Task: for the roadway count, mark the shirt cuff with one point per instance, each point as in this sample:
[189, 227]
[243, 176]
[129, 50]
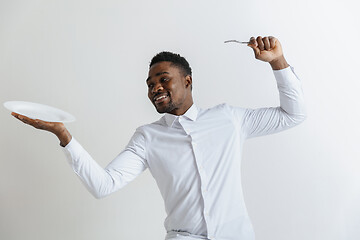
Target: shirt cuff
[286, 75]
[73, 151]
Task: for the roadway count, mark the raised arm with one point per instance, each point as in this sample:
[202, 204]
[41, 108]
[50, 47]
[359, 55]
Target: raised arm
[263, 121]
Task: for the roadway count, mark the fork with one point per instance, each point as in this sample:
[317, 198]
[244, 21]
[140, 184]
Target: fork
[236, 41]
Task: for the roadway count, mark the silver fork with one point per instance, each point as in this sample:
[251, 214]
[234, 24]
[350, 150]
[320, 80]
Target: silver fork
[236, 41]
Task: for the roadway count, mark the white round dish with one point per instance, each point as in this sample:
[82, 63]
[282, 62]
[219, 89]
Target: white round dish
[39, 111]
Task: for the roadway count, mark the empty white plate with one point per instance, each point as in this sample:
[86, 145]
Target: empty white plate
[39, 111]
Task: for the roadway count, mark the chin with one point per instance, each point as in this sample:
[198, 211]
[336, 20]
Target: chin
[165, 109]
[160, 110]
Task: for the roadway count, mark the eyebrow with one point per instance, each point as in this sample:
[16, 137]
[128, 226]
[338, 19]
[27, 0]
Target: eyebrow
[157, 74]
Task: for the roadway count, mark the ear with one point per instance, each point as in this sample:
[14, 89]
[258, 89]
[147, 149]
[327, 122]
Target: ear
[188, 81]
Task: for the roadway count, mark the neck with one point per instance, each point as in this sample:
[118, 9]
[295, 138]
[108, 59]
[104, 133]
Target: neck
[182, 110]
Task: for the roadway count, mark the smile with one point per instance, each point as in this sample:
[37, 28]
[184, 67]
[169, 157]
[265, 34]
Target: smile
[160, 98]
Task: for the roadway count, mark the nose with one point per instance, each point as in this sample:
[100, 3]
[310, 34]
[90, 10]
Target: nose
[157, 88]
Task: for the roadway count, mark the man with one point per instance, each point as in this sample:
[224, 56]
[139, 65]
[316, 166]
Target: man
[193, 154]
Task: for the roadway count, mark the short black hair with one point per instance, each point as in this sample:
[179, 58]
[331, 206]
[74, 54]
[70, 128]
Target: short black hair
[175, 59]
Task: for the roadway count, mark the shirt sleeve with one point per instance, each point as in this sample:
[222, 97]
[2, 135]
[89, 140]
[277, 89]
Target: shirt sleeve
[291, 112]
[123, 169]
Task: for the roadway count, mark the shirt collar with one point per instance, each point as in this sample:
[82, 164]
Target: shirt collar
[191, 114]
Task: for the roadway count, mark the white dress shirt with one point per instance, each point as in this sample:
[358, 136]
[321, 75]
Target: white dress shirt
[195, 159]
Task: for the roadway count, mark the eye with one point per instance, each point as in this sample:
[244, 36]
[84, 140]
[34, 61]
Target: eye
[164, 79]
[150, 85]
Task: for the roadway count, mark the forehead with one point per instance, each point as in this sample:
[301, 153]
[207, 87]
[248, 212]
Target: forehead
[163, 67]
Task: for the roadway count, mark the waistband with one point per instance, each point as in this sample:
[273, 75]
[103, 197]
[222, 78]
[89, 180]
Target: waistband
[183, 234]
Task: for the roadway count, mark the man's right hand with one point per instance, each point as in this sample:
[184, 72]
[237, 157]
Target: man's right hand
[56, 128]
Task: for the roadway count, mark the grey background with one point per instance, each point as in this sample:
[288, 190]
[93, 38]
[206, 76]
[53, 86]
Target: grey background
[90, 58]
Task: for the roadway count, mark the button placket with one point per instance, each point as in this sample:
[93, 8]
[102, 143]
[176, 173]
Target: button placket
[203, 177]
[201, 171]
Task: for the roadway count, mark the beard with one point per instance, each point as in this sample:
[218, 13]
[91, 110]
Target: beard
[169, 107]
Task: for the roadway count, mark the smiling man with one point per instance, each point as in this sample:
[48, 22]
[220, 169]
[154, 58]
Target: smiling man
[194, 154]
[169, 83]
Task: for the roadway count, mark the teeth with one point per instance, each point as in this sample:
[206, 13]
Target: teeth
[159, 98]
